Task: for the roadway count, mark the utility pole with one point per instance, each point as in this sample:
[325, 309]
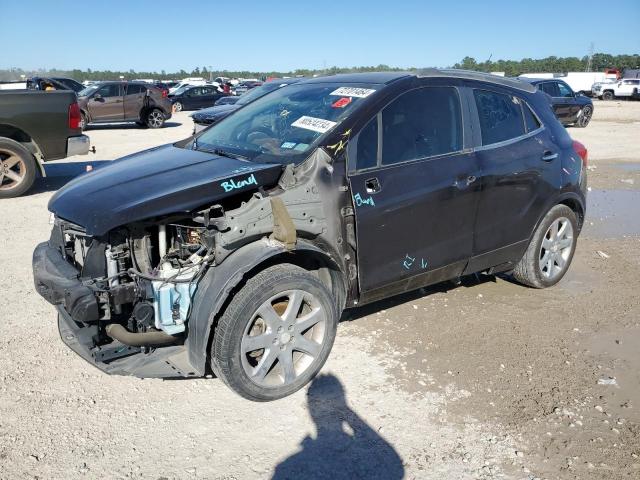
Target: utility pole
[590, 61]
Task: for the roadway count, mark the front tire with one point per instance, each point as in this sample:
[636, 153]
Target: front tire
[17, 169]
[177, 106]
[276, 333]
[608, 95]
[155, 118]
[551, 249]
[585, 117]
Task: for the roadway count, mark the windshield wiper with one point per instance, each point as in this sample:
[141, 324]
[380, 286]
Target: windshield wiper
[223, 153]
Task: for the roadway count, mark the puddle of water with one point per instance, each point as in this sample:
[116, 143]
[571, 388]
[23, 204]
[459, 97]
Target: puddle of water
[628, 167]
[613, 213]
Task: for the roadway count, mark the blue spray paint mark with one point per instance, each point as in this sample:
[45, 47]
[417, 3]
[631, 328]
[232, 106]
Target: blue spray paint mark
[230, 185]
[408, 261]
[424, 263]
[363, 201]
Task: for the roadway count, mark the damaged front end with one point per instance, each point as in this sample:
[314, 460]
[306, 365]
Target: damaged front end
[126, 293]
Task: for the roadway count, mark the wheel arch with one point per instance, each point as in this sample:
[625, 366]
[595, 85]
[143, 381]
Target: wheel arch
[27, 141]
[219, 284]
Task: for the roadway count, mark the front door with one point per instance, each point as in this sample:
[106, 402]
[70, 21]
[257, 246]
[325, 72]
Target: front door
[414, 191]
[106, 105]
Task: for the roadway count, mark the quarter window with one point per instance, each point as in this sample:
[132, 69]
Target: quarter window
[367, 151]
[500, 116]
[421, 123]
[530, 120]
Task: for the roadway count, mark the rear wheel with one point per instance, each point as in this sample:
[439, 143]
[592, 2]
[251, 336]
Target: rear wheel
[84, 121]
[608, 95]
[550, 252]
[155, 118]
[17, 169]
[276, 333]
[585, 117]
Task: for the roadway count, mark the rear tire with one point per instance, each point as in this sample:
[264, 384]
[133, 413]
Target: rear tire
[608, 95]
[154, 118]
[276, 333]
[17, 169]
[585, 117]
[551, 249]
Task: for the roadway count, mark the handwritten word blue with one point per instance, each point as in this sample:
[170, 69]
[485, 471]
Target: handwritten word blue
[230, 185]
[363, 201]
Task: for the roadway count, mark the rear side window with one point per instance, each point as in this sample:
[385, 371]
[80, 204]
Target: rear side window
[421, 123]
[135, 89]
[500, 116]
[367, 152]
[531, 121]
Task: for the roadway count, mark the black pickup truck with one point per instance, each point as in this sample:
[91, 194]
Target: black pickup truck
[36, 127]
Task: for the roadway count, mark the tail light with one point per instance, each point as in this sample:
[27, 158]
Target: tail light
[582, 151]
[165, 93]
[75, 118]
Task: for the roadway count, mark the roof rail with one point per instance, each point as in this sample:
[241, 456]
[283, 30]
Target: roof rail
[473, 75]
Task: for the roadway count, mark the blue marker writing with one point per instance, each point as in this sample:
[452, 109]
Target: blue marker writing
[424, 263]
[408, 261]
[363, 201]
[230, 185]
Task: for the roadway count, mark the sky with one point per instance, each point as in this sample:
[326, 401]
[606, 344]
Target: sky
[272, 35]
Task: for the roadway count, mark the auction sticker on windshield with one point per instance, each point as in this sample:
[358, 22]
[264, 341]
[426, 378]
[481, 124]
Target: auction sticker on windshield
[315, 124]
[352, 92]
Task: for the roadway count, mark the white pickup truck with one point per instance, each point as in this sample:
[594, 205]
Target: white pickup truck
[627, 87]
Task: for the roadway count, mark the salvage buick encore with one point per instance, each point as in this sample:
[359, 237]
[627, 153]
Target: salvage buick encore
[238, 249]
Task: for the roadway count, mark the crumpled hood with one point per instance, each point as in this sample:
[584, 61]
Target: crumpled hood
[160, 181]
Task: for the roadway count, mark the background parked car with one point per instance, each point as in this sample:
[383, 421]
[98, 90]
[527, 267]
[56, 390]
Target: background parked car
[58, 83]
[194, 98]
[227, 100]
[209, 116]
[138, 102]
[626, 88]
[244, 87]
[571, 108]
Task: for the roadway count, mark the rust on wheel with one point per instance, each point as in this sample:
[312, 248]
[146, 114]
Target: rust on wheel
[12, 170]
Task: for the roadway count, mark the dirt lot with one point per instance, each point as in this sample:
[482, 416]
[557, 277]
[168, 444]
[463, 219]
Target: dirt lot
[483, 380]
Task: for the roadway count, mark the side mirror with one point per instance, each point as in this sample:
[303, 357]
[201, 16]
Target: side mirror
[97, 97]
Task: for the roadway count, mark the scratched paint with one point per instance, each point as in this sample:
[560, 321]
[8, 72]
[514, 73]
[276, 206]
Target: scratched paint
[363, 201]
[231, 185]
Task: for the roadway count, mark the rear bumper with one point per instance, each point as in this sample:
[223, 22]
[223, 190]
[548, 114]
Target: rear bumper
[78, 145]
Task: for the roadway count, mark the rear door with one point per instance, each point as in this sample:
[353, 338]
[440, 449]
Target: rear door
[209, 97]
[414, 190]
[520, 172]
[134, 101]
[106, 104]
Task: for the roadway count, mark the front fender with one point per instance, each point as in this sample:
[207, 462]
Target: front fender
[214, 289]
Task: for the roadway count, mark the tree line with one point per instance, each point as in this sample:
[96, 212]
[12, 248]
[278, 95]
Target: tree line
[599, 62]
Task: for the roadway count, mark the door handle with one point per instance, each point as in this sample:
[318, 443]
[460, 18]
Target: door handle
[471, 179]
[372, 185]
[548, 155]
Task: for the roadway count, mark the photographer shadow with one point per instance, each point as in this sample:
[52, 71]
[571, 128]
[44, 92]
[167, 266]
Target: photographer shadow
[345, 446]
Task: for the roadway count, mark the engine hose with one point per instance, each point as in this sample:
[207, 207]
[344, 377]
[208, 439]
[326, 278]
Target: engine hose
[146, 339]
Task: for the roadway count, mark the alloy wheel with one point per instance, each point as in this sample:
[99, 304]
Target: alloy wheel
[585, 116]
[177, 106]
[556, 248]
[12, 170]
[283, 338]
[155, 119]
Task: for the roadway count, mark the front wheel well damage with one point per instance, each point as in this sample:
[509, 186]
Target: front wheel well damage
[315, 262]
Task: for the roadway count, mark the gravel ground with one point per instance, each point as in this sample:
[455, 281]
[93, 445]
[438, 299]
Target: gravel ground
[483, 380]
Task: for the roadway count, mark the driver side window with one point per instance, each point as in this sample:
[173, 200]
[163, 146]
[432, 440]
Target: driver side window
[565, 91]
[107, 91]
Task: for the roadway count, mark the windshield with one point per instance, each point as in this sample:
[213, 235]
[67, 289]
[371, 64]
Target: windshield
[284, 126]
[85, 92]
